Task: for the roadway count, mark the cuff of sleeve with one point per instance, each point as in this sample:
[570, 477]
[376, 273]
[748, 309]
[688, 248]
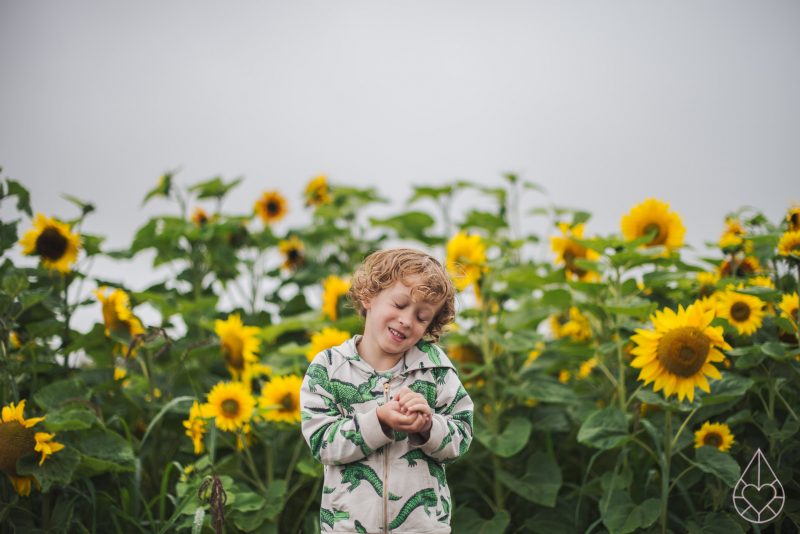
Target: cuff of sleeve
[371, 430]
[438, 431]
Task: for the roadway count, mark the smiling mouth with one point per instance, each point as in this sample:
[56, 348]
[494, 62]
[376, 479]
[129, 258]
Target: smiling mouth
[396, 333]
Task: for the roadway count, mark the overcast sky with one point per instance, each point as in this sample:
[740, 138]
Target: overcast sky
[603, 103]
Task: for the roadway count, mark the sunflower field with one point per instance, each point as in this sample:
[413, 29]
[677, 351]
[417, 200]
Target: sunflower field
[621, 383]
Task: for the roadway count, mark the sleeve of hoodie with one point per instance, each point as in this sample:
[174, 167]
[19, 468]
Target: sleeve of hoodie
[451, 429]
[335, 436]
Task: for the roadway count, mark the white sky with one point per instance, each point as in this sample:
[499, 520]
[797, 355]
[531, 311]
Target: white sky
[602, 103]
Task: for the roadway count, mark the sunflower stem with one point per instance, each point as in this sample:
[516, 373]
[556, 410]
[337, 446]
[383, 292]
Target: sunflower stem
[299, 521]
[683, 425]
[665, 466]
[295, 455]
[250, 463]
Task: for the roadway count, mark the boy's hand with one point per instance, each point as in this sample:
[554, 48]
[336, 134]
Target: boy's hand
[391, 415]
[413, 403]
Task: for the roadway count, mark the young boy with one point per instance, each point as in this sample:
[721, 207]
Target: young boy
[385, 410]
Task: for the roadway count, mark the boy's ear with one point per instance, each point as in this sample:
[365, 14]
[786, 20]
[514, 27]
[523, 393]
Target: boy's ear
[365, 304]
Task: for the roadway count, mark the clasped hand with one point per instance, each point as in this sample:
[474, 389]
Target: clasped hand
[407, 412]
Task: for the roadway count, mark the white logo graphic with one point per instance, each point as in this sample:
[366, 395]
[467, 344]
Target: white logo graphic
[758, 496]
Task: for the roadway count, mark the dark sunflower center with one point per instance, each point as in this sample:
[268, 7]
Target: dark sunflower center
[16, 441]
[287, 402]
[293, 254]
[713, 439]
[273, 207]
[794, 220]
[51, 244]
[740, 311]
[232, 350]
[683, 351]
[659, 238]
[230, 407]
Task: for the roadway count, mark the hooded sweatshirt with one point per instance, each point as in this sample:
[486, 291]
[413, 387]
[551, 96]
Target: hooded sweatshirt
[380, 481]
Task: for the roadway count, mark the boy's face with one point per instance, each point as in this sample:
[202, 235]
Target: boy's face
[395, 320]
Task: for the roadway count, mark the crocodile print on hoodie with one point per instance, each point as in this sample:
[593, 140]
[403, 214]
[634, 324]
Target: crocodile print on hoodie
[377, 482]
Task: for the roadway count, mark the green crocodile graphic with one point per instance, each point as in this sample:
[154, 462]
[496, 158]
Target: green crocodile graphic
[426, 389]
[460, 394]
[425, 498]
[446, 508]
[330, 408]
[317, 376]
[360, 528]
[317, 441]
[329, 517]
[346, 394]
[355, 472]
[447, 439]
[434, 468]
[439, 374]
[431, 350]
[358, 440]
[326, 490]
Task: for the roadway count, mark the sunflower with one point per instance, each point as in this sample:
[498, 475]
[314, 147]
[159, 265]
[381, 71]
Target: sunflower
[292, 250]
[740, 267]
[714, 435]
[653, 217]
[761, 281]
[117, 315]
[271, 207]
[280, 399]
[572, 324]
[14, 340]
[533, 355]
[793, 218]
[564, 376]
[732, 236]
[196, 427]
[743, 312]
[568, 250]
[707, 282]
[708, 303]
[239, 344]
[789, 306]
[317, 191]
[333, 287]
[53, 242]
[789, 245]
[19, 439]
[328, 338]
[230, 404]
[678, 354]
[466, 259]
[199, 216]
[466, 353]
[586, 368]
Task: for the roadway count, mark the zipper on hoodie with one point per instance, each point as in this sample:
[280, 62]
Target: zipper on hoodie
[386, 469]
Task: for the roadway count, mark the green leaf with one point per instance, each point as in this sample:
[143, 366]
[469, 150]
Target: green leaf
[468, 521]
[604, 429]
[547, 389]
[512, 440]
[248, 501]
[57, 470]
[57, 394]
[640, 309]
[214, 188]
[162, 189]
[731, 387]
[430, 192]
[76, 418]
[541, 482]
[410, 225]
[558, 298]
[775, 349]
[22, 194]
[717, 523]
[484, 219]
[718, 463]
[103, 451]
[621, 515]
[167, 407]
[85, 207]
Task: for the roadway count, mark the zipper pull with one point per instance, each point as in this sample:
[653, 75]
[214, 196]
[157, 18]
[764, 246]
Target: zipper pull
[386, 391]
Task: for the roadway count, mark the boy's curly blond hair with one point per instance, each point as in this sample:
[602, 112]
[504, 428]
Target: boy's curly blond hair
[382, 269]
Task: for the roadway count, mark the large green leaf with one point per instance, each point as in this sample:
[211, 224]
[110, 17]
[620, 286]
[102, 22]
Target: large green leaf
[731, 387]
[73, 418]
[214, 188]
[58, 394]
[547, 389]
[412, 224]
[510, 441]
[103, 451]
[719, 464]
[621, 515]
[468, 521]
[604, 429]
[57, 470]
[539, 484]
